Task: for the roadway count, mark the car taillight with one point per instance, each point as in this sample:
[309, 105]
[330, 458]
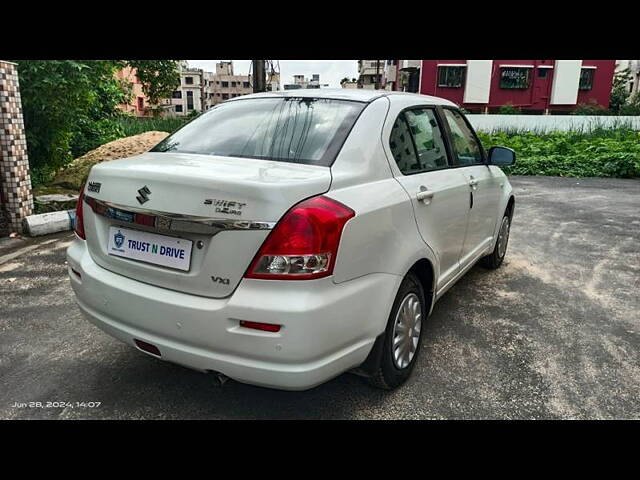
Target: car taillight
[304, 243]
[79, 221]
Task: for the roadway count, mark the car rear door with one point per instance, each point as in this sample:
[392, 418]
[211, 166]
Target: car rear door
[439, 194]
[482, 183]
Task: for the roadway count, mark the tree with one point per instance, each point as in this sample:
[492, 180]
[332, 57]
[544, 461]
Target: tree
[66, 106]
[344, 80]
[632, 107]
[159, 78]
[71, 107]
[619, 91]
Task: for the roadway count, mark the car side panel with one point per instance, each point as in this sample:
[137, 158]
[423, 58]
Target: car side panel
[505, 193]
[383, 237]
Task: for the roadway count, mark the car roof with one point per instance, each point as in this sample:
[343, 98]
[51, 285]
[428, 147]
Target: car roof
[357, 95]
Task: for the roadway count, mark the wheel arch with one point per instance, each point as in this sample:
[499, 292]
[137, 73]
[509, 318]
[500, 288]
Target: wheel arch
[425, 272]
[511, 204]
[423, 269]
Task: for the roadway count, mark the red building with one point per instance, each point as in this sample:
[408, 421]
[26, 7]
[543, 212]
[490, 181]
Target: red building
[534, 86]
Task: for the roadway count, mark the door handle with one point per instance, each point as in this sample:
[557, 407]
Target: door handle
[424, 196]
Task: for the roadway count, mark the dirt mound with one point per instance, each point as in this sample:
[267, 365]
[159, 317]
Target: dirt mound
[73, 175]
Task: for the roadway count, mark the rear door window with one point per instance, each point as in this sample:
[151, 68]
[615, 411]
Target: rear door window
[416, 142]
[427, 138]
[402, 147]
[466, 147]
[288, 129]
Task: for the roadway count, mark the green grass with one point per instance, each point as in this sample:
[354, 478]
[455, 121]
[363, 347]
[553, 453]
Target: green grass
[612, 152]
[136, 125]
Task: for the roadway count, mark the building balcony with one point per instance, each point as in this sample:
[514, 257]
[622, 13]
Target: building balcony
[409, 64]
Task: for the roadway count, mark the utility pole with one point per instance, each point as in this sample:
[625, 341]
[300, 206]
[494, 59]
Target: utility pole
[203, 92]
[377, 74]
[258, 76]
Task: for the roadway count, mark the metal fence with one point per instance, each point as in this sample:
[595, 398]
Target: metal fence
[550, 123]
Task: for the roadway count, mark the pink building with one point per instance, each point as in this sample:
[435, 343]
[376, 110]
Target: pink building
[534, 86]
[139, 103]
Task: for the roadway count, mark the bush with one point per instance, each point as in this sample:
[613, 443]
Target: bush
[131, 125]
[633, 107]
[590, 108]
[71, 106]
[508, 109]
[599, 153]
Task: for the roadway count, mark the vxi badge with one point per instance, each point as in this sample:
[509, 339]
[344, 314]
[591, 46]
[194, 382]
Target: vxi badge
[225, 206]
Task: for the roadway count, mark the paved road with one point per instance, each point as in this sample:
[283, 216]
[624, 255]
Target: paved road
[555, 333]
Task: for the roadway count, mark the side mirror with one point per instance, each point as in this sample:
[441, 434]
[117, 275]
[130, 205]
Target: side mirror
[501, 156]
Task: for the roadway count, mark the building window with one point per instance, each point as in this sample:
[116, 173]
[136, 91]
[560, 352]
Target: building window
[225, 96]
[179, 108]
[542, 72]
[245, 84]
[188, 80]
[189, 100]
[225, 84]
[233, 84]
[177, 94]
[450, 76]
[140, 103]
[586, 79]
[514, 77]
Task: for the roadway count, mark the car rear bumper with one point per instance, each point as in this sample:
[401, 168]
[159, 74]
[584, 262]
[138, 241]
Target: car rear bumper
[327, 329]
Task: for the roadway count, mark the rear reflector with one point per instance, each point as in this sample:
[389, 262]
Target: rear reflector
[267, 327]
[78, 222]
[147, 347]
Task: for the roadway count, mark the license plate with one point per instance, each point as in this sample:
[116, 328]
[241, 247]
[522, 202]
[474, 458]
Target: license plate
[148, 247]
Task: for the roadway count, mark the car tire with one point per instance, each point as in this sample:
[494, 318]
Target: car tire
[495, 258]
[403, 329]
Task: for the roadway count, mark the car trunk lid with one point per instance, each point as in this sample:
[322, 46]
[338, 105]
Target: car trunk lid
[202, 218]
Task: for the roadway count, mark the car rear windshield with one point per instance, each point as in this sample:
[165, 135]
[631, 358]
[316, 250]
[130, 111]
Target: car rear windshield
[297, 130]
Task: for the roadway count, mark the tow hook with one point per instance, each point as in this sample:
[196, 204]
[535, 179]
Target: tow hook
[219, 379]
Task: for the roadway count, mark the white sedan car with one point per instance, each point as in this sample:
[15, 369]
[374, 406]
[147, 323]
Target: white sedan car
[281, 239]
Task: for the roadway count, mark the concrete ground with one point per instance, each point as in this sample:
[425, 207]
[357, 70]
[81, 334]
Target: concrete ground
[554, 333]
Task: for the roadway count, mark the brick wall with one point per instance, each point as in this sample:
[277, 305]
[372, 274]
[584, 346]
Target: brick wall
[16, 200]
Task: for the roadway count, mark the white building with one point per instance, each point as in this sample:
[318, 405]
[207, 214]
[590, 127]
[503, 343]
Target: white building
[634, 68]
[401, 75]
[300, 81]
[371, 73]
[189, 97]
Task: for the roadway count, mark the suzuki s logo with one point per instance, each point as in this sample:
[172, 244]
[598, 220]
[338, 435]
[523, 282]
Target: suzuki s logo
[144, 194]
[118, 239]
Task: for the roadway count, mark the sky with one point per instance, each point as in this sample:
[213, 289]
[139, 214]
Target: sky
[331, 71]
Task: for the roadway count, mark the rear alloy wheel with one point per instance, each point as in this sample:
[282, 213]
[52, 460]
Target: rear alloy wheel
[406, 331]
[494, 260]
[403, 336]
